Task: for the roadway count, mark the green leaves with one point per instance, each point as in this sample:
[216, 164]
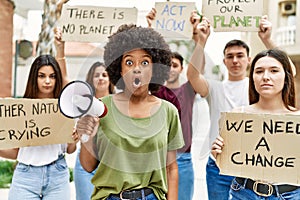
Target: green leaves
[6, 172]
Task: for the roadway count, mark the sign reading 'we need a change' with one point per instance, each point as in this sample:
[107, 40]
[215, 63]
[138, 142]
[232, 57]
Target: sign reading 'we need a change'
[233, 15]
[92, 23]
[261, 146]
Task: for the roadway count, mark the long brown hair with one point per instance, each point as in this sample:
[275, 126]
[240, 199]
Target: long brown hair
[288, 91]
[32, 89]
[90, 76]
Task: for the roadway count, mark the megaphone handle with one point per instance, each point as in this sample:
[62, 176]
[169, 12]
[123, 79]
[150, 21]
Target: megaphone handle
[84, 138]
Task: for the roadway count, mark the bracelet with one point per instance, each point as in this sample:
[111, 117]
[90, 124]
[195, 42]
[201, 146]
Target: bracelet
[63, 58]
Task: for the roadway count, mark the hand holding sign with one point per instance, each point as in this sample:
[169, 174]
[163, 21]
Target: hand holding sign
[253, 147]
[32, 122]
[92, 23]
[217, 146]
[233, 15]
[172, 19]
[202, 32]
[265, 32]
[150, 17]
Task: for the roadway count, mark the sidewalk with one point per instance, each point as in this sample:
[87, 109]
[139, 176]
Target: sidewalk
[199, 153]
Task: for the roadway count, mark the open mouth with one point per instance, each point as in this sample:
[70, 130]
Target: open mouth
[137, 82]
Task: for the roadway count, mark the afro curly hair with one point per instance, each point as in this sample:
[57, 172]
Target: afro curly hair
[129, 37]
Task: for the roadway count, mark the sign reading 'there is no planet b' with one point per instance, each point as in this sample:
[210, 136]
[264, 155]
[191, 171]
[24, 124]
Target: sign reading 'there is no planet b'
[92, 23]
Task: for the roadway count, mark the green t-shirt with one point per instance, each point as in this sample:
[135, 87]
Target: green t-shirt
[133, 151]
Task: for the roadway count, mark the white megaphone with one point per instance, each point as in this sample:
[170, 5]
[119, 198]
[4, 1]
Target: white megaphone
[77, 99]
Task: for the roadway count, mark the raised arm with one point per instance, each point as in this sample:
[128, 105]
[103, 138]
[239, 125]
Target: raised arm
[265, 33]
[60, 54]
[201, 32]
[150, 17]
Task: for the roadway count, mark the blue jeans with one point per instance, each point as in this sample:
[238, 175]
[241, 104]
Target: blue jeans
[82, 179]
[186, 176]
[47, 182]
[239, 191]
[218, 186]
[148, 197]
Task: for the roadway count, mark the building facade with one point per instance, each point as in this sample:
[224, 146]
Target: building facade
[286, 32]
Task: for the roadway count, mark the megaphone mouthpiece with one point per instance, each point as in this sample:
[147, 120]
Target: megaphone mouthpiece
[82, 102]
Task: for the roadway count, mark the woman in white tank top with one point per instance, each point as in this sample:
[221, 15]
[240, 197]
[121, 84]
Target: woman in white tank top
[42, 171]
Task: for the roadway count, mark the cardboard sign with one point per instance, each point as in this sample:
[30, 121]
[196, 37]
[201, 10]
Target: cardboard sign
[92, 23]
[173, 19]
[233, 15]
[32, 122]
[261, 147]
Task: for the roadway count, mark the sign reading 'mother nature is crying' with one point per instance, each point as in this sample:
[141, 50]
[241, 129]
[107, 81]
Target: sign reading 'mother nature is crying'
[233, 15]
[92, 23]
[32, 122]
[261, 146]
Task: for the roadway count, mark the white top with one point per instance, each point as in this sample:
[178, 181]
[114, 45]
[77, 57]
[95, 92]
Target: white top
[223, 97]
[40, 155]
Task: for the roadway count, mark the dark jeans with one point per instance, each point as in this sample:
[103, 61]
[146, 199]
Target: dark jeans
[218, 186]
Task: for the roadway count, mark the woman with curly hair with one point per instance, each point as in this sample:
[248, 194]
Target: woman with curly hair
[134, 145]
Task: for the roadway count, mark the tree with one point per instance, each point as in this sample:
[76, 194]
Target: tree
[6, 49]
[52, 12]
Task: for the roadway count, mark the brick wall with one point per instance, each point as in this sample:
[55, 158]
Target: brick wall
[6, 45]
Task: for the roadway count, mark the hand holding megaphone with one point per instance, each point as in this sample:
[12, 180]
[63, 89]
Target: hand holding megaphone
[87, 127]
[77, 100]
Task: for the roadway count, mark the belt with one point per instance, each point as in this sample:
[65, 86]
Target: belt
[61, 156]
[133, 194]
[265, 189]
